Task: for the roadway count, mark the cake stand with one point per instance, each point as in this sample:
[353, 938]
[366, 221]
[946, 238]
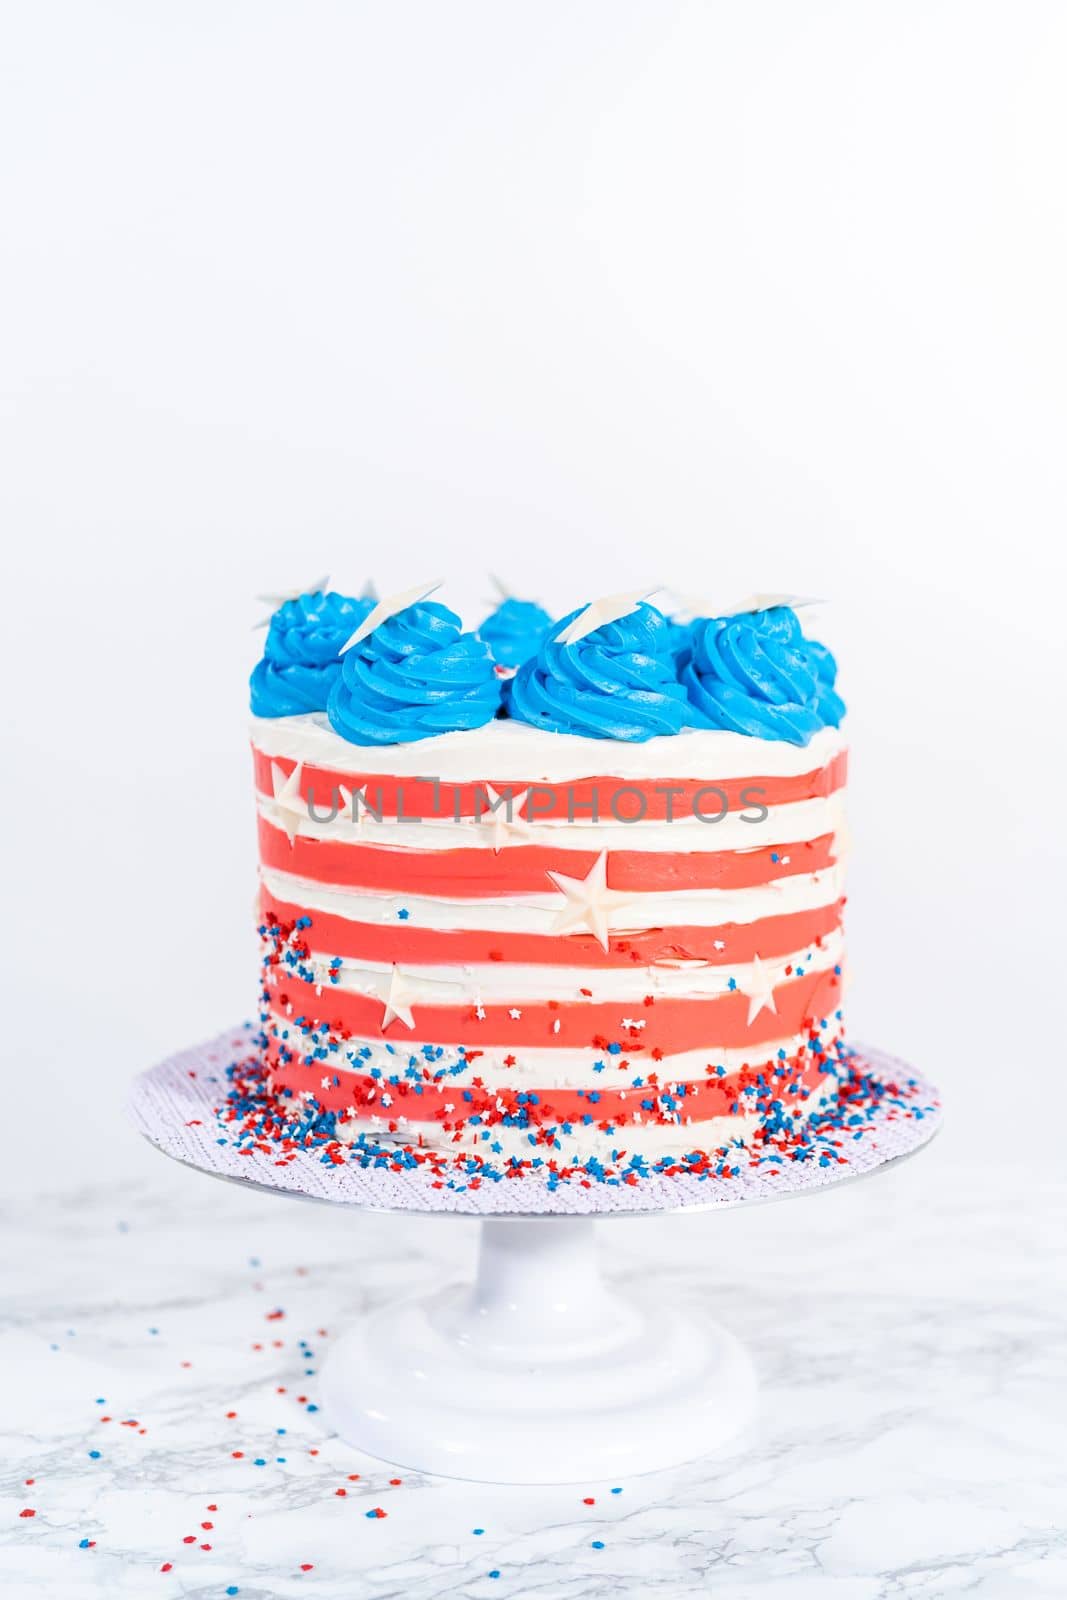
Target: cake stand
[539, 1371]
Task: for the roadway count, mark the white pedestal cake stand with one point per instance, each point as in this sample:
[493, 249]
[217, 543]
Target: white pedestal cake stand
[538, 1372]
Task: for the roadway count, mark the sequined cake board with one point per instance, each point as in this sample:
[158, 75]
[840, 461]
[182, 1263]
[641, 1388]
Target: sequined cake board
[174, 1106]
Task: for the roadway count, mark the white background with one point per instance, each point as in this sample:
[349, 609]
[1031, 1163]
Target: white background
[756, 295]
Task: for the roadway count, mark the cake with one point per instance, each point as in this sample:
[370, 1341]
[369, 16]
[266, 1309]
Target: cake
[579, 911]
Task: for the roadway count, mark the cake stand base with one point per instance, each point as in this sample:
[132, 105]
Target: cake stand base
[538, 1372]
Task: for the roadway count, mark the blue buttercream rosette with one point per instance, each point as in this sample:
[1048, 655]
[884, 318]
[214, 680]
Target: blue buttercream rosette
[618, 682]
[416, 675]
[514, 631]
[755, 673]
[302, 655]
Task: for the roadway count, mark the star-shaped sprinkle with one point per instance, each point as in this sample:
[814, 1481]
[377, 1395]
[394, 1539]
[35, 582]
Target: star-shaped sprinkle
[388, 608]
[760, 992]
[397, 1001]
[598, 613]
[506, 817]
[288, 799]
[589, 901]
[275, 600]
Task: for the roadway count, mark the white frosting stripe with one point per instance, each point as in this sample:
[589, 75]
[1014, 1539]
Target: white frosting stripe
[534, 1067]
[512, 982]
[511, 752]
[538, 913]
[783, 824]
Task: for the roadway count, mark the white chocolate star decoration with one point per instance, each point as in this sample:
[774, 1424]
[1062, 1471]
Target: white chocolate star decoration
[288, 799]
[506, 818]
[275, 600]
[388, 608]
[693, 607]
[397, 1000]
[598, 613]
[767, 602]
[761, 992]
[589, 901]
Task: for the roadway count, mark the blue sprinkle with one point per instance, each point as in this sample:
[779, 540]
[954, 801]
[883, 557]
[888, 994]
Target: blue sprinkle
[233, 1589]
[477, 1530]
[495, 1573]
[83, 1544]
[101, 1401]
[598, 1544]
[616, 1491]
[94, 1455]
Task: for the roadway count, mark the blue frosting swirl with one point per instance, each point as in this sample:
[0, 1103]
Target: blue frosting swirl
[417, 674]
[514, 631]
[757, 674]
[301, 657]
[680, 636]
[619, 682]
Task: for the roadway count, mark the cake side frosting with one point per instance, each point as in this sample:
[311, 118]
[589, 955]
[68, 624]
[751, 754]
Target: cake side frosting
[645, 956]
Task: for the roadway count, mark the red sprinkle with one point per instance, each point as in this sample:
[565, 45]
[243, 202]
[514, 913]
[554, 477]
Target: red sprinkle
[27, 1513]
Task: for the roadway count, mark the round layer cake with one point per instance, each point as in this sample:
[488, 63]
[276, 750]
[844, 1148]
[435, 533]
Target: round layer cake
[527, 943]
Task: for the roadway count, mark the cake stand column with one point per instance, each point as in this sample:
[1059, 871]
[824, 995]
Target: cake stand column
[538, 1372]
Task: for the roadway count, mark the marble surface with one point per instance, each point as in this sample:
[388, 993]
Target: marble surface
[908, 1332]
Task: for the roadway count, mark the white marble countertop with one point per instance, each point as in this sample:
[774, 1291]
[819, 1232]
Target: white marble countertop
[909, 1336]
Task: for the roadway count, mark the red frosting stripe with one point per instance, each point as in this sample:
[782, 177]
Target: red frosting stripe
[699, 1099]
[671, 1024]
[522, 869]
[408, 798]
[412, 946]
